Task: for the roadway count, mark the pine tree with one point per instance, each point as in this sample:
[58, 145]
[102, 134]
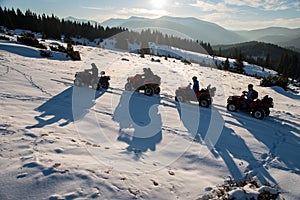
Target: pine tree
[239, 64]
[226, 64]
[267, 63]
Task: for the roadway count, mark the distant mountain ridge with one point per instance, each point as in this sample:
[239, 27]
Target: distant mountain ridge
[189, 27]
[74, 19]
[284, 37]
[197, 29]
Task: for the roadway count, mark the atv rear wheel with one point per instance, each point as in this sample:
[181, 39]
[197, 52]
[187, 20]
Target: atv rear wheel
[179, 98]
[149, 91]
[231, 107]
[203, 103]
[105, 85]
[258, 114]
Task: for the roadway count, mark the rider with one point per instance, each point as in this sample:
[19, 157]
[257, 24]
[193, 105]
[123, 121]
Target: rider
[251, 94]
[94, 70]
[147, 72]
[195, 84]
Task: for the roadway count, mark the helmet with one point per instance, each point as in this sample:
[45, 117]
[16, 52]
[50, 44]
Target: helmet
[250, 86]
[194, 78]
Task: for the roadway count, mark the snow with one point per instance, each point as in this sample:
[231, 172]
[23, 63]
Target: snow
[59, 141]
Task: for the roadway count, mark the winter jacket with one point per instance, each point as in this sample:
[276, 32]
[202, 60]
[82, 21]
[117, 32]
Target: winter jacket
[196, 86]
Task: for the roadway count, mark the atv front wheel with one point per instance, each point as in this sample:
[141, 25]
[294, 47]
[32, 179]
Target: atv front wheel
[267, 111]
[128, 87]
[258, 114]
[203, 103]
[231, 107]
[95, 86]
[149, 91]
[77, 83]
[156, 90]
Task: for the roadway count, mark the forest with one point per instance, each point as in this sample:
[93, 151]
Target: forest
[270, 56]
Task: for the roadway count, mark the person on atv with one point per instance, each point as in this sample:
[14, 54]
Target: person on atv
[195, 84]
[94, 70]
[250, 95]
[147, 72]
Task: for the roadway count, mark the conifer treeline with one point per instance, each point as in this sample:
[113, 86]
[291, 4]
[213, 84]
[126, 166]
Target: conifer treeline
[52, 26]
[270, 56]
[155, 36]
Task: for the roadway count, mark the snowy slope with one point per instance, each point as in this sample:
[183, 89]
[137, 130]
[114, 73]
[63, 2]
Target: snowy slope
[63, 142]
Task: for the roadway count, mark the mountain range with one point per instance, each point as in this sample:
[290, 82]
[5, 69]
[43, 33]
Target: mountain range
[190, 27]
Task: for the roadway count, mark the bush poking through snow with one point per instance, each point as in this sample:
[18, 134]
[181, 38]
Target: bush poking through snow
[269, 81]
[46, 54]
[29, 40]
[244, 189]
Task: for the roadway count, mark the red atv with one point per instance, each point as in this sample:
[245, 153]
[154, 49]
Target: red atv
[259, 108]
[204, 96]
[85, 78]
[149, 84]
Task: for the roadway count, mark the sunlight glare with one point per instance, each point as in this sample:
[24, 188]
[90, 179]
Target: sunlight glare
[159, 4]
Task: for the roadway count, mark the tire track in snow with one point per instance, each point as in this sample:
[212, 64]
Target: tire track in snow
[30, 80]
[22, 97]
[7, 71]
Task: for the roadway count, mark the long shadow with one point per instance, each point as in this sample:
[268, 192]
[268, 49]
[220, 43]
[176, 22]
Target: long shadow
[69, 105]
[280, 136]
[30, 52]
[288, 94]
[225, 144]
[140, 123]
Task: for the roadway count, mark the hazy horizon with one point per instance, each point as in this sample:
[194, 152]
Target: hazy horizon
[230, 14]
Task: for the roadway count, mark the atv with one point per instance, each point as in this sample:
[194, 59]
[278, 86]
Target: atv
[204, 96]
[259, 108]
[149, 84]
[85, 78]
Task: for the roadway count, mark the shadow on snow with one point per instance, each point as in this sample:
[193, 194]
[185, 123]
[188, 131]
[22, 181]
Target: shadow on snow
[290, 94]
[225, 144]
[139, 121]
[279, 135]
[69, 105]
[31, 52]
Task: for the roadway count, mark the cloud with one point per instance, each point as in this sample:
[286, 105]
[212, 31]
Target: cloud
[210, 6]
[269, 5]
[142, 12]
[98, 8]
[251, 3]
[217, 17]
[256, 24]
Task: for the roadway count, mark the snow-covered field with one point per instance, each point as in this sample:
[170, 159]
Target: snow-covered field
[59, 141]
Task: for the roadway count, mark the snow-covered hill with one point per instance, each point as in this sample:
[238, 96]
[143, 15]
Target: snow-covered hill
[63, 142]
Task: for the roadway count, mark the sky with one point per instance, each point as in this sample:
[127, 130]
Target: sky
[230, 14]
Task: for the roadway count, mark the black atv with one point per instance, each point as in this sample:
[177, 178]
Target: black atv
[204, 96]
[87, 79]
[259, 108]
[150, 85]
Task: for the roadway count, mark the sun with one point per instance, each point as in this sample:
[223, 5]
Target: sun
[158, 4]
